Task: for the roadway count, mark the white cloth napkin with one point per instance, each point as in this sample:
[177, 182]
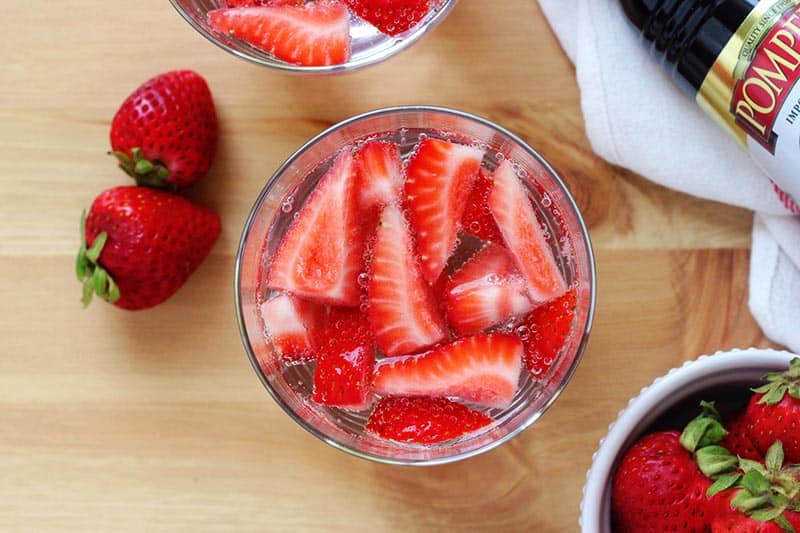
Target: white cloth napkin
[637, 117]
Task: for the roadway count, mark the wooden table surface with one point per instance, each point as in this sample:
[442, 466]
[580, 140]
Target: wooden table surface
[155, 421]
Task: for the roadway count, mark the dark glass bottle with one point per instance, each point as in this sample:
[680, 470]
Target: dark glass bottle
[740, 60]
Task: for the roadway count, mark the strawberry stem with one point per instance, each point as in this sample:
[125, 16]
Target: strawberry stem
[780, 383]
[146, 173]
[94, 277]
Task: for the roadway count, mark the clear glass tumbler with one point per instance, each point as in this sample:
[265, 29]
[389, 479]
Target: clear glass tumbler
[291, 385]
[369, 46]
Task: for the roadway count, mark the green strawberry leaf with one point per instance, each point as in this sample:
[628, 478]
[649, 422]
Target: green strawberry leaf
[81, 264]
[747, 502]
[703, 430]
[723, 482]
[755, 483]
[794, 368]
[747, 465]
[97, 246]
[113, 290]
[774, 457]
[88, 290]
[715, 460]
[99, 282]
[784, 524]
[765, 515]
[146, 173]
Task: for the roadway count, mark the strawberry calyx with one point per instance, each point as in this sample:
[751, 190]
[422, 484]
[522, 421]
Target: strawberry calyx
[763, 491]
[146, 173]
[94, 277]
[778, 384]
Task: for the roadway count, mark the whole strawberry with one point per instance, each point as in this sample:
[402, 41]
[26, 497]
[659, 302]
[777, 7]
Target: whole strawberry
[165, 133]
[662, 482]
[658, 485]
[140, 245]
[774, 412]
[760, 497]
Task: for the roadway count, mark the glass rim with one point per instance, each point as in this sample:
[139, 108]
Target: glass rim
[349, 66]
[592, 275]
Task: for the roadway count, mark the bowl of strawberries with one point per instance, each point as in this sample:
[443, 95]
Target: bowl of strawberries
[415, 285]
[711, 446]
[313, 37]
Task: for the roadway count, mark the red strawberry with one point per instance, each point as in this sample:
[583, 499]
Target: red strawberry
[401, 308]
[545, 330]
[477, 219]
[763, 498]
[439, 179]
[391, 16]
[658, 487]
[423, 420]
[483, 369]
[165, 132]
[292, 326]
[486, 291]
[140, 245]
[524, 236]
[320, 256]
[738, 441]
[774, 412]
[313, 34]
[380, 173]
[737, 522]
[345, 361]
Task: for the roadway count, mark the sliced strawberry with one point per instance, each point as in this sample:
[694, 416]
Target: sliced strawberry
[483, 369]
[291, 325]
[477, 219]
[486, 291]
[380, 173]
[320, 256]
[391, 16]
[544, 331]
[254, 3]
[401, 308]
[439, 179]
[423, 420]
[524, 236]
[313, 34]
[345, 361]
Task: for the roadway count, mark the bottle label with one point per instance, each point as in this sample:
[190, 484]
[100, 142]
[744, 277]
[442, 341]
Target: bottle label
[751, 89]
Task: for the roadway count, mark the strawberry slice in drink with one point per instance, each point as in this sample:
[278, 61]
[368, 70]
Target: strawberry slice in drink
[380, 180]
[391, 17]
[254, 3]
[313, 34]
[523, 235]
[380, 174]
[320, 256]
[291, 325]
[477, 219]
[483, 369]
[486, 291]
[423, 420]
[544, 332]
[402, 312]
[345, 361]
[439, 179]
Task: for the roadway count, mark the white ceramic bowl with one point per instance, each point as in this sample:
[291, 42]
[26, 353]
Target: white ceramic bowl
[738, 367]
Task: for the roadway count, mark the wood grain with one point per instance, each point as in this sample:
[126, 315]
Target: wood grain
[154, 421]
